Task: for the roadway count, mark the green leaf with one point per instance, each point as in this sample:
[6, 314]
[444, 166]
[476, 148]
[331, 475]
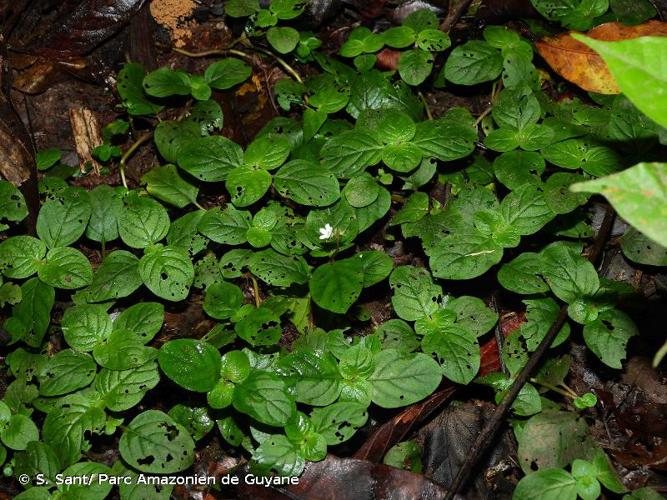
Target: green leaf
[454, 346]
[403, 379]
[375, 265]
[142, 222]
[472, 63]
[167, 272]
[318, 381]
[247, 185]
[526, 210]
[307, 183]
[190, 363]
[415, 66]
[97, 490]
[165, 82]
[361, 190]
[445, 139]
[172, 138]
[62, 221]
[523, 274]
[153, 442]
[473, 315]
[21, 256]
[19, 431]
[12, 202]
[397, 334]
[130, 88]
[106, 204]
[338, 422]
[208, 115]
[553, 439]
[66, 372]
[222, 300]
[558, 196]
[117, 277]
[66, 268]
[183, 233]
[264, 397]
[639, 248]
[608, 336]
[267, 152]
[583, 153]
[123, 350]
[65, 426]
[34, 310]
[414, 293]
[635, 64]
[335, 286]
[278, 453]
[196, 420]
[85, 325]
[241, 8]
[143, 319]
[277, 269]
[38, 458]
[228, 226]
[399, 37]
[122, 389]
[283, 39]
[210, 159]
[548, 484]
[639, 195]
[464, 254]
[540, 315]
[568, 274]
[433, 40]
[349, 153]
[226, 73]
[165, 184]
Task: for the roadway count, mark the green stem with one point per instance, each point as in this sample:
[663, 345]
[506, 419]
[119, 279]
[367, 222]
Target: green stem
[554, 388]
[130, 151]
[429, 115]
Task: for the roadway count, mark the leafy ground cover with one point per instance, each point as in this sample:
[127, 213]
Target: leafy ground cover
[398, 247]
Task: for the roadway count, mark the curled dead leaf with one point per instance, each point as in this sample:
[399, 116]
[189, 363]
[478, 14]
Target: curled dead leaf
[579, 64]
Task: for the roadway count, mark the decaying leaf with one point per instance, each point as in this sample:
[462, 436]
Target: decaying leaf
[87, 135]
[579, 64]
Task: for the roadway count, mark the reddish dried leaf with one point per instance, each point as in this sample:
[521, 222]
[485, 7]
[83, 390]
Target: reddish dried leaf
[394, 430]
[490, 360]
[387, 59]
[71, 28]
[579, 64]
[349, 479]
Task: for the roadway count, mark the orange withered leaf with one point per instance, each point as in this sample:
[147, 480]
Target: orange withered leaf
[579, 64]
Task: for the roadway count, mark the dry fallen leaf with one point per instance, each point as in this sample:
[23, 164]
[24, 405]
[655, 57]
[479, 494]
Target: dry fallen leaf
[579, 64]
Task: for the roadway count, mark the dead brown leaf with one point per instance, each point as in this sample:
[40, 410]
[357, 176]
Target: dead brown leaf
[579, 64]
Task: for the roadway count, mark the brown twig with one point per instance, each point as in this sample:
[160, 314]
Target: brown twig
[488, 433]
[455, 12]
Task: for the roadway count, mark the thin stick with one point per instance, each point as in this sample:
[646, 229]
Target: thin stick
[488, 433]
[222, 52]
[127, 154]
[455, 12]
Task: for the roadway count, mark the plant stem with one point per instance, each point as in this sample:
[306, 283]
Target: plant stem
[429, 115]
[130, 151]
[221, 52]
[553, 388]
[255, 291]
[490, 429]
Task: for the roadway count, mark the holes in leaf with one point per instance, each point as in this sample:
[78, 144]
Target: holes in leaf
[146, 460]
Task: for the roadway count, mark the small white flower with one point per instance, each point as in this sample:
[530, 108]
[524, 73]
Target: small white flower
[326, 232]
